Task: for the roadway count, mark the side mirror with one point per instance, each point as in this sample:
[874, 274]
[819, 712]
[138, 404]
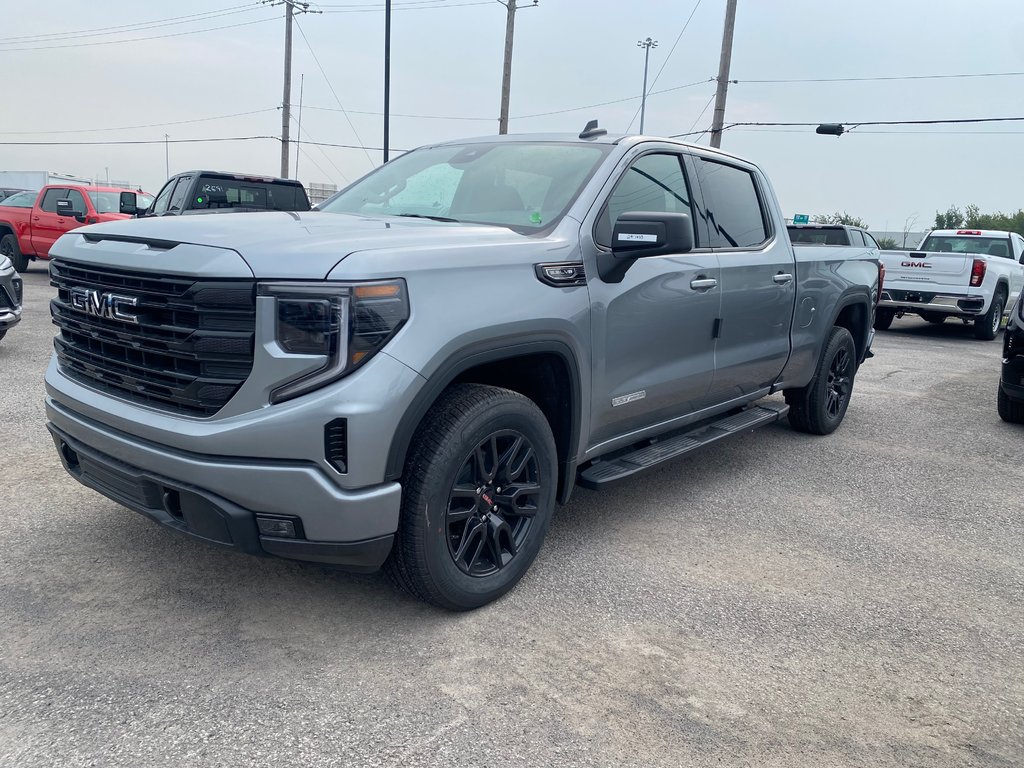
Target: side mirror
[129, 203]
[640, 234]
[66, 208]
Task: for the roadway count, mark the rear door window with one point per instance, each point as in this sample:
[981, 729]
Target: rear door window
[732, 203]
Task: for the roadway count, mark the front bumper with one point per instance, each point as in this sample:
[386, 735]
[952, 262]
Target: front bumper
[9, 318]
[200, 513]
[913, 301]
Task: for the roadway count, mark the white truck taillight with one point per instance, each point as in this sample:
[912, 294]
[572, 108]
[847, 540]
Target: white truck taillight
[977, 273]
[881, 281]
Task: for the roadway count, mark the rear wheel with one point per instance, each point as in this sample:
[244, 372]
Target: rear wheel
[479, 491]
[1010, 408]
[9, 248]
[987, 326]
[934, 317]
[819, 407]
[883, 318]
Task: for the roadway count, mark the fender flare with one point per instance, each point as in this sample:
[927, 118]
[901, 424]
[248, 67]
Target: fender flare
[852, 296]
[470, 357]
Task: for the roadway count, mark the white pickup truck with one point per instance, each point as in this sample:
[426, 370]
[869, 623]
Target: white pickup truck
[973, 274]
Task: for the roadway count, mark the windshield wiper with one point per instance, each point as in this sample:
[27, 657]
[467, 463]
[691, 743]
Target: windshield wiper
[424, 216]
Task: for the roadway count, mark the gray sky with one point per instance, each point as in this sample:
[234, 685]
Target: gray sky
[569, 53]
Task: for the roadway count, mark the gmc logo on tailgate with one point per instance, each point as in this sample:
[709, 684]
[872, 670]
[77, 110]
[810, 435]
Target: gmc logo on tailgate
[101, 304]
[921, 264]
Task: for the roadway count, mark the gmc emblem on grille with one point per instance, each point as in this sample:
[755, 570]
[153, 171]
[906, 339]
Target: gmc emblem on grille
[112, 305]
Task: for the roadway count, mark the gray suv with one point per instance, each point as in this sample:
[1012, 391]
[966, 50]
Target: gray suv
[416, 375]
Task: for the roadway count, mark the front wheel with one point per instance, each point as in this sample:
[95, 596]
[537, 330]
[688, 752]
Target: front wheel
[478, 494]
[883, 318]
[987, 326]
[819, 407]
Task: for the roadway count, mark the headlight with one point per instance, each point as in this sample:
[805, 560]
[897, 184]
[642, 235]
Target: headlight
[345, 323]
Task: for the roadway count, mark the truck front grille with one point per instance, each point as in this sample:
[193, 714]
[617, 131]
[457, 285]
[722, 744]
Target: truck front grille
[189, 351]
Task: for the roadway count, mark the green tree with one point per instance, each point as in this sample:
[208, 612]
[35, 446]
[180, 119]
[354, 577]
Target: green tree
[840, 218]
[887, 243]
[971, 217]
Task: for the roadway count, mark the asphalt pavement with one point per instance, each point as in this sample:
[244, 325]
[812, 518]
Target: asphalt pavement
[776, 600]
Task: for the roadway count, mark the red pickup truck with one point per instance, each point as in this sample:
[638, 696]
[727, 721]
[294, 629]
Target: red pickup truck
[29, 224]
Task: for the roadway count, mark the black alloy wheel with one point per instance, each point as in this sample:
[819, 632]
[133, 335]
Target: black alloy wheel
[493, 503]
[839, 383]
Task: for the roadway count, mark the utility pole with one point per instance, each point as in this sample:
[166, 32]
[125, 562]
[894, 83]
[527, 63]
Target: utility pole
[290, 7]
[387, 77]
[723, 74]
[167, 155]
[646, 45]
[286, 111]
[506, 70]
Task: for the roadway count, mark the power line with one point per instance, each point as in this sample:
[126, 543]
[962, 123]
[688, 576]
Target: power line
[613, 101]
[138, 39]
[396, 114]
[136, 27]
[334, 92]
[148, 125]
[876, 79]
[708, 104]
[853, 125]
[406, 8]
[130, 142]
[665, 62]
[326, 157]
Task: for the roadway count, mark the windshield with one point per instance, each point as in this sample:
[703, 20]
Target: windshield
[110, 202]
[989, 246]
[521, 185]
[20, 199]
[213, 193]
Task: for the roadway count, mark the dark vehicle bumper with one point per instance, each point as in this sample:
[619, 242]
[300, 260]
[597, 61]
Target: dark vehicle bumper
[11, 287]
[203, 515]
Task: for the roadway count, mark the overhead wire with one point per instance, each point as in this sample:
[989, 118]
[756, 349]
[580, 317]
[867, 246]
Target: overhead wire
[319, 147]
[147, 125]
[882, 78]
[136, 27]
[334, 92]
[140, 39]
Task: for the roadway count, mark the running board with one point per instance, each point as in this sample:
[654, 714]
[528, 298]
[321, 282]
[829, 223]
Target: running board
[600, 473]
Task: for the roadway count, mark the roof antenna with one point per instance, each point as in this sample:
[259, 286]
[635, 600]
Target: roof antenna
[592, 131]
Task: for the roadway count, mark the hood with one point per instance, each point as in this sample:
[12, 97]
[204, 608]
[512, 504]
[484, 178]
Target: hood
[285, 245]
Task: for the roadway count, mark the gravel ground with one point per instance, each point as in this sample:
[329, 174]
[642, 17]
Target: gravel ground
[777, 600]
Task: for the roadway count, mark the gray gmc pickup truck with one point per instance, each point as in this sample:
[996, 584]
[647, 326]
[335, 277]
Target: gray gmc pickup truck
[414, 376]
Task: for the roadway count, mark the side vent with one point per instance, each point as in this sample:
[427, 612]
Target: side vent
[336, 444]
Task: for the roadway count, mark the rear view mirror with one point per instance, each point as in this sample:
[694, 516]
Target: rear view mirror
[66, 208]
[640, 234]
[129, 203]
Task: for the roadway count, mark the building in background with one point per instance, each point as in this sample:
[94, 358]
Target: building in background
[319, 192]
[36, 180]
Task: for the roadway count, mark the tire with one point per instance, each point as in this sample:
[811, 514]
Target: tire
[9, 248]
[2, 334]
[987, 326]
[883, 318]
[934, 317]
[1010, 408]
[488, 538]
[819, 408]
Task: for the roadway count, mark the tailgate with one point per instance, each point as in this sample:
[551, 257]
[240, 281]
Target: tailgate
[940, 269]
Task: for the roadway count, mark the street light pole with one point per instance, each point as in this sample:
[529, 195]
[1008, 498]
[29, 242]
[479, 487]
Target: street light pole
[646, 45]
